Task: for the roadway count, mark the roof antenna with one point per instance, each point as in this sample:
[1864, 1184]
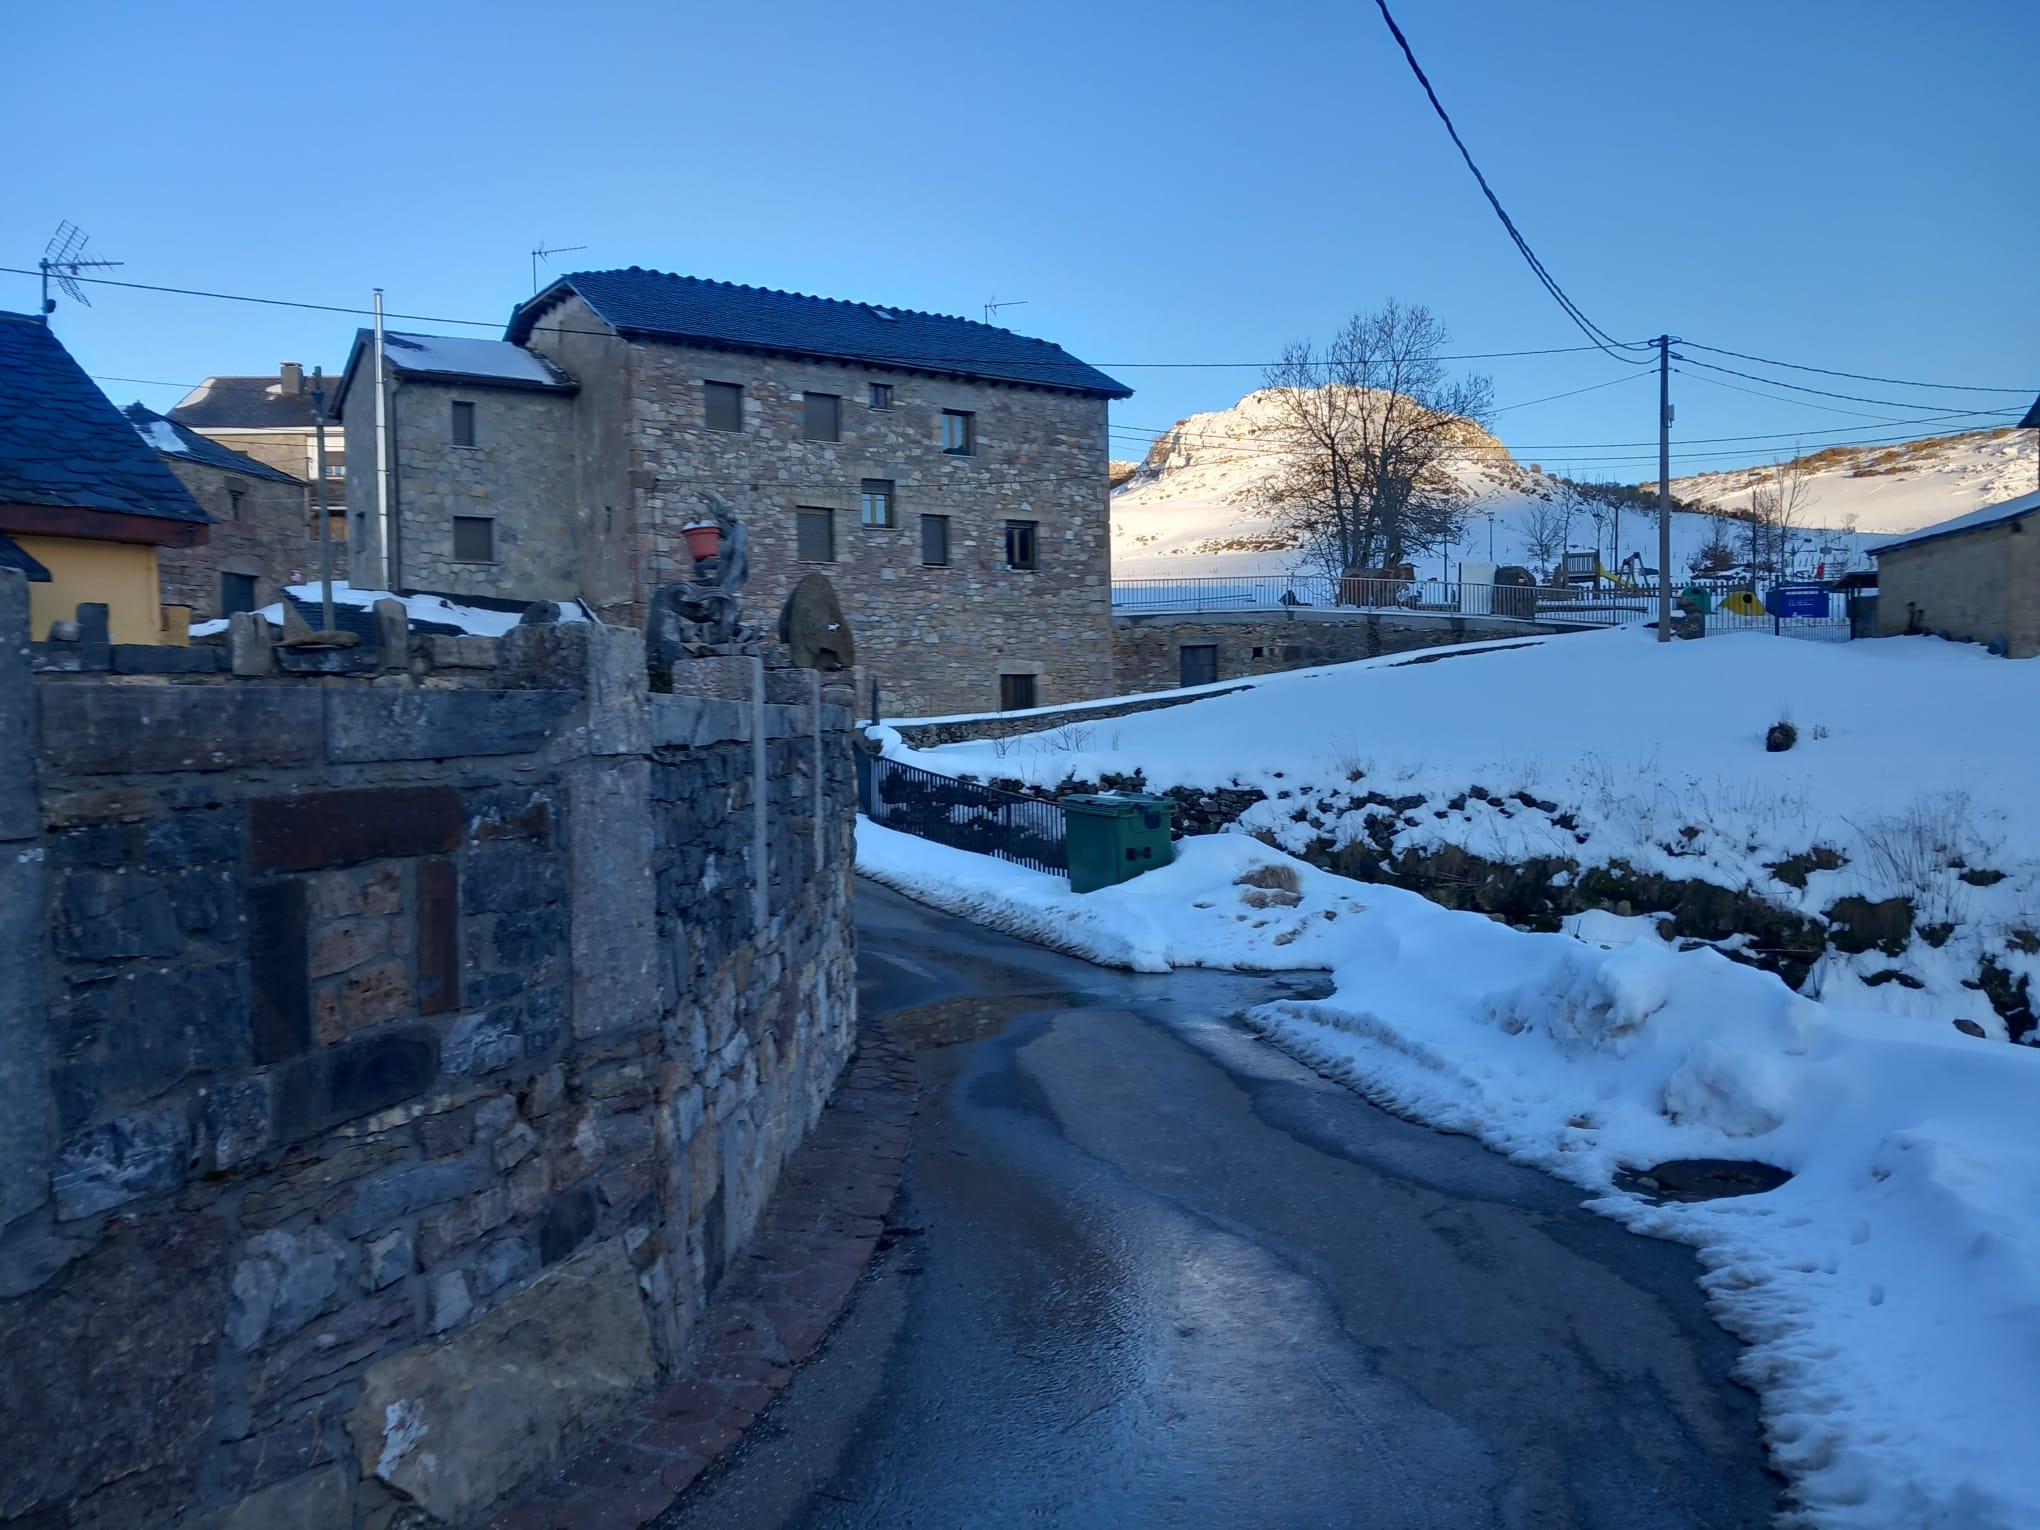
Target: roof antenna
[64, 257]
[994, 305]
[543, 252]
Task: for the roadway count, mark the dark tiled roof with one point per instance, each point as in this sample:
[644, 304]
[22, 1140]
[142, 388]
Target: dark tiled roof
[2032, 419]
[11, 556]
[193, 447]
[63, 443]
[247, 403]
[656, 305]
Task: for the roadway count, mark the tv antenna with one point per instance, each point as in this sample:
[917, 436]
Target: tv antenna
[64, 257]
[544, 251]
[993, 305]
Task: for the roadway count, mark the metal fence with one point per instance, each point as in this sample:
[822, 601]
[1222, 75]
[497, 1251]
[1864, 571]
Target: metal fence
[1433, 597]
[962, 814]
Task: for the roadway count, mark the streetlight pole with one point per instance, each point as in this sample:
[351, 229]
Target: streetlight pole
[1664, 489]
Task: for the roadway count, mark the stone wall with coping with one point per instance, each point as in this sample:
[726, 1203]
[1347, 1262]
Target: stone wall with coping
[936, 639]
[388, 1072]
[1148, 650]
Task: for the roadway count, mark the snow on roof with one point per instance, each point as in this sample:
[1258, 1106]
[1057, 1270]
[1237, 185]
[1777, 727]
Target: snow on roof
[162, 435]
[465, 356]
[476, 621]
[1989, 515]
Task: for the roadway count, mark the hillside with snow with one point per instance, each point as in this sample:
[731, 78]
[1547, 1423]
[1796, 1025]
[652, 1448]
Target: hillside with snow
[1194, 507]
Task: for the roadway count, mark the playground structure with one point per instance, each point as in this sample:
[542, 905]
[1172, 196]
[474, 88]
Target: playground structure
[1587, 568]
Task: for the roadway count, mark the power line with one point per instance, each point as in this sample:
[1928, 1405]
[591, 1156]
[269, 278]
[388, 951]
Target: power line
[1779, 382]
[1591, 330]
[1896, 382]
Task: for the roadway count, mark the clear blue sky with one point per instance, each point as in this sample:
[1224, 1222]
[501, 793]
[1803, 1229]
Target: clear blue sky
[1848, 183]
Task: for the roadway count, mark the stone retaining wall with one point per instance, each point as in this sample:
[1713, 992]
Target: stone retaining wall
[388, 1072]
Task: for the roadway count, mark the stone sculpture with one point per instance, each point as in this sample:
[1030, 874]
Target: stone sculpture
[689, 618]
[813, 627]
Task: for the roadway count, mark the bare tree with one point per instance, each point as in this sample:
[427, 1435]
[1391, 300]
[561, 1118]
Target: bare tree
[1778, 507]
[1371, 423]
[1547, 528]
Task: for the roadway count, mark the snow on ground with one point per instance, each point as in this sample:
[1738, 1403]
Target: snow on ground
[476, 621]
[1914, 764]
[1889, 1292]
[1190, 511]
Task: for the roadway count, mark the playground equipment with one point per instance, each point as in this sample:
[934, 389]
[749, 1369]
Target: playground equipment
[1587, 568]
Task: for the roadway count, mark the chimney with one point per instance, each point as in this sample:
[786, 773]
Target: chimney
[293, 377]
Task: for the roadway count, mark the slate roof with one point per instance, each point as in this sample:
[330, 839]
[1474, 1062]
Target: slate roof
[1989, 515]
[63, 443]
[246, 403]
[450, 359]
[159, 431]
[11, 556]
[2032, 419]
[657, 305]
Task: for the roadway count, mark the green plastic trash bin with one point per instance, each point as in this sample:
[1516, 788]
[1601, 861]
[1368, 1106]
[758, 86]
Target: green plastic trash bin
[1114, 837]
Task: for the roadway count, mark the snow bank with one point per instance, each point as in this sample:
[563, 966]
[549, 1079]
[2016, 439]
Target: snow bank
[1913, 765]
[1196, 912]
[1889, 1292]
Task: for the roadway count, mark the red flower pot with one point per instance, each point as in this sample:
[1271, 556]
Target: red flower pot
[702, 541]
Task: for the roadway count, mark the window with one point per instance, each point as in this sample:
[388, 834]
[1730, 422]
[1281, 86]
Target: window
[935, 540]
[1197, 663]
[881, 395]
[1016, 693]
[463, 424]
[234, 498]
[959, 432]
[1020, 544]
[474, 539]
[237, 593]
[817, 536]
[820, 417]
[724, 403]
[878, 502]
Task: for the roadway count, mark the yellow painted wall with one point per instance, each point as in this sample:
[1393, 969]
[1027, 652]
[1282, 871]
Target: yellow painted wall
[121, 574]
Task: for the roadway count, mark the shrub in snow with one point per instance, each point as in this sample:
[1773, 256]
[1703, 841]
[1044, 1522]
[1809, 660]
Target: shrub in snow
[1781, 737]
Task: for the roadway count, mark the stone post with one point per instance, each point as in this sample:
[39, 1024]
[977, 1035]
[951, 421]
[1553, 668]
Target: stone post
[24, 1067]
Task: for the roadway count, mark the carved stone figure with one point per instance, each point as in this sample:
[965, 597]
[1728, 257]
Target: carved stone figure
[700, 615]
[813, 627]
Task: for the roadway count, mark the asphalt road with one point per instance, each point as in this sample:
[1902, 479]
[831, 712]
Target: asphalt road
[1151, 1272]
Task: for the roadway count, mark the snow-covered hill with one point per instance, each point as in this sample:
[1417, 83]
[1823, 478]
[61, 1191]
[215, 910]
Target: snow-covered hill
[1193, 507]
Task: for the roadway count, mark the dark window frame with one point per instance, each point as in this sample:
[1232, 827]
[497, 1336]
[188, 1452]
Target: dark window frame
[1023, 546]
[880, 396]
[940, 525]
[1019, 692]
[730, 394]
[486, 521]
[463, 419]
[886, 493]
[235, 499]
[833, 413]
[802, 522]
[964, 442]
[228, 603]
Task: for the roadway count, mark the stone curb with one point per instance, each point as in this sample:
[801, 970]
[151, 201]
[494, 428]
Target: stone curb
[819, 1231]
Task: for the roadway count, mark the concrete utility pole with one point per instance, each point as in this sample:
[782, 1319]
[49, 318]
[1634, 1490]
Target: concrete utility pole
[382, 449]
[1664, 489]
[319, 489]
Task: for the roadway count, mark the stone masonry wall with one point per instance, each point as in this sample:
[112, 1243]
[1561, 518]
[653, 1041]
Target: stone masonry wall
[518, 474]
[387, 1073]
[273, 538]
[935, 639]
[1148, 649]
[1981, 585]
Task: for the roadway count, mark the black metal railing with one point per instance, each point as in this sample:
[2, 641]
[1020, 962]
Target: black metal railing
[1429, 597]
[965, 815]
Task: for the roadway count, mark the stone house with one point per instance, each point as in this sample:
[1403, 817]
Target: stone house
[949, 477]
[263, 533]
[481, 487]
[271, 419]
[1975, 577]
[82, 497]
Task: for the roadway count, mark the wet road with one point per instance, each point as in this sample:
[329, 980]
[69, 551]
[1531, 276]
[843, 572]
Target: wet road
[1151, 1272]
